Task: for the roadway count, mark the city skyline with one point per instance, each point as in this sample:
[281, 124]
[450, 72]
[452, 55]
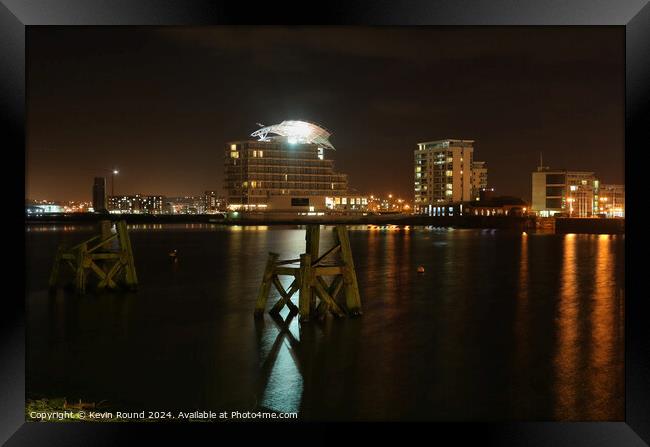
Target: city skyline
[160, 103]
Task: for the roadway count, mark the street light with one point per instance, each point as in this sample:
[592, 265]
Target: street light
[113, 174]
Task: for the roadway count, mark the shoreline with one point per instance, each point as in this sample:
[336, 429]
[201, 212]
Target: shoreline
[519, 223]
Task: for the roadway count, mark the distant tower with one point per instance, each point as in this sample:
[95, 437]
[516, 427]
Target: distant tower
[99, 195]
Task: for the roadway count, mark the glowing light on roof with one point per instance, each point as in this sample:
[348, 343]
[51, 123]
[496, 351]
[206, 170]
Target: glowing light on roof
[296, 132]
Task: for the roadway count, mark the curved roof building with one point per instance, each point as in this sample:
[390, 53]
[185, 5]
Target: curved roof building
[296, 132]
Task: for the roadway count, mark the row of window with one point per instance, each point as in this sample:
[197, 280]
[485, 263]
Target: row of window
[288, 185]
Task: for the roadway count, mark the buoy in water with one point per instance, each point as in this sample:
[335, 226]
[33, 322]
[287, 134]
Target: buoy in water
[420, 269]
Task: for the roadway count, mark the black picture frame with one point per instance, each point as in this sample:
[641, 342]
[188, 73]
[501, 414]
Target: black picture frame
[634, 15]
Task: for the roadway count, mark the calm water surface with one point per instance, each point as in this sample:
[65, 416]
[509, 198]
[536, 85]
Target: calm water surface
[501, 326]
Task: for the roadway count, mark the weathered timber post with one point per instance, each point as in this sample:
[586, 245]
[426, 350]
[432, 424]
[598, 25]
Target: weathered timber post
[105, 227]
[304, 300]
[265, 287]
[126, 258]
[312, 242]
[350, 285]
[80, 277]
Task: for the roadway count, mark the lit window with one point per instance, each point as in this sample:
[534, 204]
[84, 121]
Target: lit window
[234, 154]
[233, 147]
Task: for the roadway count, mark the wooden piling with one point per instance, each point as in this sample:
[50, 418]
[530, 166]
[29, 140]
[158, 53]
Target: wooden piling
[130, 277]
[312, 246]
[350, 285]
[265, 287]
[304, 300]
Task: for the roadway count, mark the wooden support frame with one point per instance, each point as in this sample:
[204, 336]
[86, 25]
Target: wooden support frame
[112, 267]
[316, 296]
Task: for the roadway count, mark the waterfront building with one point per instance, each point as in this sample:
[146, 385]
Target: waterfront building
[212, 202]
[489, 205]
[310, 203]
[135, 204]
[443, 173]
[287, 159]
[99, 195]
[565, 193]
[35, 207]
[479, 178]
[612, 200]
[185, 205]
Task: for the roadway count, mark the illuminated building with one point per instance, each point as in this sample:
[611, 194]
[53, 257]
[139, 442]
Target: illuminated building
[36, 207]
[566, 193]
[346, 203]
[212, 202]
[288, 159]
[488, 205]
[187, 204]
[479, 178]
[443, 173]
[612, 200]
[135, 204]
[99, 195]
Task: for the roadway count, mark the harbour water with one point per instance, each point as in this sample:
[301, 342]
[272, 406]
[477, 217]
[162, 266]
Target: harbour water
[502, 325]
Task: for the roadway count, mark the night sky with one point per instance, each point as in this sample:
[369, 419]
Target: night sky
[160, 103]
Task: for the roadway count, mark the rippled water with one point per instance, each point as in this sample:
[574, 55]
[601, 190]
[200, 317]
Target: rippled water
[501, 326]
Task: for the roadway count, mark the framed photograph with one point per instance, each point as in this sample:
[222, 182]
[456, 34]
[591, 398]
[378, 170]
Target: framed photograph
[362, 212]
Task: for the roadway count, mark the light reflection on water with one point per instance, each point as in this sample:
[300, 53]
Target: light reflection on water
[500, 326]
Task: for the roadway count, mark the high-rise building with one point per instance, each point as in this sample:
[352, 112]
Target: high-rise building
[479, 178]
[570, 193]
[136, 204]
[290, 158]
[99, 195]
[443, 173]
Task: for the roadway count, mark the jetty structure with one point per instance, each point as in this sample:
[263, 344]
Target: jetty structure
[319, 280]
[107, 256]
